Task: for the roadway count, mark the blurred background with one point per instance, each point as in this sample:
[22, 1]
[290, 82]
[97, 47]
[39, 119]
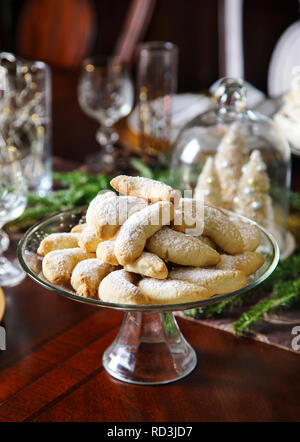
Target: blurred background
[64, 32]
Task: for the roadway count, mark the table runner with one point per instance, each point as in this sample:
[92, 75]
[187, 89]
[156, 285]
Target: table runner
[277, 333]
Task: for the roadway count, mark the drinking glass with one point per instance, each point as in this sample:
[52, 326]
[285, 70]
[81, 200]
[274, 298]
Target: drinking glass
[13, 199]
[106, 94]
[157, 82]
[25, 120]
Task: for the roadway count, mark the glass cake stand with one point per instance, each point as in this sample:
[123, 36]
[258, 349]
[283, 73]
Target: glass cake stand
[149, 348]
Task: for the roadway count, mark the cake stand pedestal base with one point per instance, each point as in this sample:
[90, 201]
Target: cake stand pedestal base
[149, 350]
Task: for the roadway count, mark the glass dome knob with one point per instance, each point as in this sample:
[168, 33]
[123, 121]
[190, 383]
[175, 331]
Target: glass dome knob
[231, 94]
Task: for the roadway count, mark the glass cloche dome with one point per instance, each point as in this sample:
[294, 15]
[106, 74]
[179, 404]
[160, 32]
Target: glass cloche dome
[237, 159]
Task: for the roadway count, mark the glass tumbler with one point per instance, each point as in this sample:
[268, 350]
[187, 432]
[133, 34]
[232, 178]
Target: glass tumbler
[156, 83]
[26, 117]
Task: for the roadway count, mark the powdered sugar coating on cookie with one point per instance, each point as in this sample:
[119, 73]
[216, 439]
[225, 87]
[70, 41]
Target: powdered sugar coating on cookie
[181, 249]
[168, 291]
[218, 281]
[58, 241]
[145, 188]
[133, 234]
[119, 287]
[87, 276]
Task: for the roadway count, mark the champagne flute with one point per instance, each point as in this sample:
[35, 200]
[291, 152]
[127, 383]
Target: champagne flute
[13, 200]
[105, 93]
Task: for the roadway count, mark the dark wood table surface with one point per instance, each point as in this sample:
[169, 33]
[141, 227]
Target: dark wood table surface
[52, 368]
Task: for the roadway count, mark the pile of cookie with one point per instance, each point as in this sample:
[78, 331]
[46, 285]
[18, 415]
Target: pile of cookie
[141, 248]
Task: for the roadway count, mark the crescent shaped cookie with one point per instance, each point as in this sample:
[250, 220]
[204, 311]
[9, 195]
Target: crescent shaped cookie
[145, 188]
[208, 241]
[87, 276]
[217, 281]
[58, 265]
[58, 241]
[147, 264]
[247, 262]
[219, 227]
[216, 225]
[111, 213]
[119, 287]
[133, 234]
[189, 216]
[168, 291]
[78, 228]
[250, 235]
[96, 202]
[106, 253]
[182, 249]
[89, 240]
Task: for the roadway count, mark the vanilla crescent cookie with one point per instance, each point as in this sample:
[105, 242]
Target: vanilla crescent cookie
[89, 240]
[208, 241]
[119, 287]
[167, 291]
[216, 225]
[78, 228]
[133, 234]
[106, 253]
[97, 202]
[145, 188]
[111, 213]
[181, 249]
[222, 230]
[250, 235]
[147, 264]
[87, 276]
[189, 217]
[247, 262]
[218, 281]
[58, 265]
[58, 241]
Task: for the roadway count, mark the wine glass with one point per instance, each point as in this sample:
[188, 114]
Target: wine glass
[13, 200]
[106, 94]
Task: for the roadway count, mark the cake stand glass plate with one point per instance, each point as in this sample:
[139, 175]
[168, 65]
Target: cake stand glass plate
[149, 348]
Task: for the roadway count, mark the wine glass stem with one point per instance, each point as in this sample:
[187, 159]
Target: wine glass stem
[4, 241]
[106, 137]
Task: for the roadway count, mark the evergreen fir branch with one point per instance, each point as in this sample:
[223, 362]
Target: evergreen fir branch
[285, 295]
[80, 189]
[141, 168]
[295, 200]
[77, 178]
[287, 271]
[160, 173]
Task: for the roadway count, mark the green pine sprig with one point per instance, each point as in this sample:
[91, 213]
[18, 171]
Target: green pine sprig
[79, 188]
[159, 172]
[285, 295]
[281, 288]
[294, 200]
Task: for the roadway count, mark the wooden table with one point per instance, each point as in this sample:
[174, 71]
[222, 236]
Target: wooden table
[52, 369]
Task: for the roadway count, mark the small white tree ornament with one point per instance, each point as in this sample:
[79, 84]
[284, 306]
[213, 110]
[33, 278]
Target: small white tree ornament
[208, 185]
[230, 158]
[252, 198]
